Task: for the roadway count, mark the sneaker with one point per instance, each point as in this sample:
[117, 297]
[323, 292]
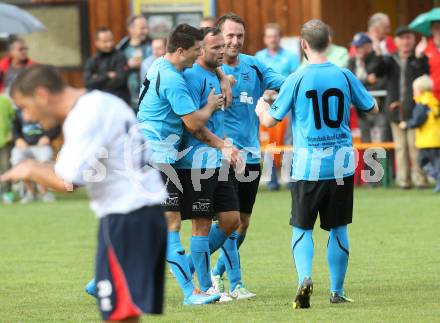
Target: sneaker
[240, 292]
[302, 298]
[48, 197]
[201, 298]
[218, 283]
[335, 298]
[91, 288]
[8, 197]
[224, 297]
[27, 198]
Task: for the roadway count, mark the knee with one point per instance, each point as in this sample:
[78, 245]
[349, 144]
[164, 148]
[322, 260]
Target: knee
[229, 222]
[201, 226]
[244, 223]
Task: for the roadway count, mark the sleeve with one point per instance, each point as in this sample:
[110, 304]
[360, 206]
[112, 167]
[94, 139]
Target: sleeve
[271, 79]
[360, 97]
[418, 117]
[84, 140]
[178, 96]
[420, 65]
[121, 69]
[284, 102]
[93, 82]
[194, 86]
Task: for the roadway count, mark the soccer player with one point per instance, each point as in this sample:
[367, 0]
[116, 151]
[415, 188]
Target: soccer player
[126, 197]
[207, 184]
[241, 123]
[166, 108]
[323, 163]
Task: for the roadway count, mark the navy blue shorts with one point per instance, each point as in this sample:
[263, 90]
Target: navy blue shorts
[130, 263]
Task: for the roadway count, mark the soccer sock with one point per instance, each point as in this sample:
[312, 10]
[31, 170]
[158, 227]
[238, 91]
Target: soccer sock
[179, 264]
[337, 258]
[220, 267]
[302, 251]
[216, 239]
[230, 253]
[200, 255]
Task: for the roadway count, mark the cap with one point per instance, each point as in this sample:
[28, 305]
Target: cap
[402, 30]
[360, 39]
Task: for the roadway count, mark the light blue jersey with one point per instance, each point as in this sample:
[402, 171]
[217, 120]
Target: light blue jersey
[319, 99]
[283, 62]
[200, 82]
[241, 122]
[161, 108]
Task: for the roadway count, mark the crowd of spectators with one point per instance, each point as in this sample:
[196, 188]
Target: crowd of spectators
[387, 65]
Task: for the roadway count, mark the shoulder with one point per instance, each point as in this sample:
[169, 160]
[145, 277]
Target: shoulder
[260, 53]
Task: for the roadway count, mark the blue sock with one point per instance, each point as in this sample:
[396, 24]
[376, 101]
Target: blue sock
[302, 251]
[230, 253]
[216, 239]
[178, 263]
[200, 255]
[220, 267]
[337, 258]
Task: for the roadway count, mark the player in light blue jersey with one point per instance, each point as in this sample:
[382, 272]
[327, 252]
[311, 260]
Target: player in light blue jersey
[208, 189]
[319, 99]
[241, 124]
[165, 109]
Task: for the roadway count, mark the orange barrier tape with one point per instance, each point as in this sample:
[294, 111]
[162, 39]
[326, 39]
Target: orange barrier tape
[358, 146]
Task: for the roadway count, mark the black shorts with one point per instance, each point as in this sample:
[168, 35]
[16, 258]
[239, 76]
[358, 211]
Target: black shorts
[172, 182]
[206, 197]
[246, 186]
[130, 263]
[333, 202]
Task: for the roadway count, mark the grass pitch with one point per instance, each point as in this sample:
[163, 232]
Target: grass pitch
[47, 256]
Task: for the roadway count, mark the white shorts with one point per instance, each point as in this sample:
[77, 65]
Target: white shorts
[40, 153]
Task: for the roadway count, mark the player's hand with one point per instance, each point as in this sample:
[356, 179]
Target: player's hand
[226, 86]
[261, 107]
[43, 141]
[394, 105]
[421, 46]
[18, 173]
[20, 143]
[402, 125]
[231, 79]
[216, 101]
[232, 155]
[111, 74]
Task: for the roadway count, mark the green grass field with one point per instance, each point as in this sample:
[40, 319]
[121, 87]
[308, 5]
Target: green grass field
[47, 254]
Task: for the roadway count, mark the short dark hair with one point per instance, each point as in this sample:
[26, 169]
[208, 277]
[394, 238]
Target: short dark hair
[317, 34]
[101, 30]
[214, 31]
[183, 36]
[29, 79]
[273, 25]
[132, 19]
[12, 40]
[230, 16]
[209, 18]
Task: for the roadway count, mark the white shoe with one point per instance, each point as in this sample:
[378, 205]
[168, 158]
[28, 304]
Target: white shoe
[27, 198]
[48, 197]
[224, 297]
[218, 283]
[240, 292]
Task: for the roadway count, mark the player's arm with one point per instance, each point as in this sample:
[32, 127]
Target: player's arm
[225, 85]
[271, 79]
[41, 173]
[262, 112]
[195, 120]
[270, 115]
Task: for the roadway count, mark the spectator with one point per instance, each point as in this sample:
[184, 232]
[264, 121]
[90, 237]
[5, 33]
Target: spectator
[207, 22]
[159, 46]
[284, 62]
[400, 70]
[136, 47]
[367, 67]
[428, 54]
[426, 120]
[13, 63]
[32, 142]
[379, 28]
[107, 70]
[7, 114]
